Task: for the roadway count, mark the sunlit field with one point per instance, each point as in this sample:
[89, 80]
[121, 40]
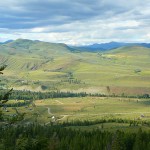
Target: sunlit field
[87, 108]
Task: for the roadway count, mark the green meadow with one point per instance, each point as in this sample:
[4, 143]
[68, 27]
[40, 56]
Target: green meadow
[87, 109]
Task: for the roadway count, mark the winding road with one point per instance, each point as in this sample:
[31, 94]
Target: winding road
[49, 111]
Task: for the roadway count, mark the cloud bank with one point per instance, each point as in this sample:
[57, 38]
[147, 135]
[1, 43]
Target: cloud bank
[75, 22]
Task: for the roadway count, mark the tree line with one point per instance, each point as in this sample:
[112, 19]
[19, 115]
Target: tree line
[30, 95]
[18, 104]
[101, 121]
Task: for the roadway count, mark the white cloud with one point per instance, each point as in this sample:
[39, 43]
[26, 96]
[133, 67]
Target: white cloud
[77, 22]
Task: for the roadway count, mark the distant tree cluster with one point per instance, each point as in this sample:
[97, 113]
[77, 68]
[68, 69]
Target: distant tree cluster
[28, 95]
[18, 104]
[137, 70]
[101, 121]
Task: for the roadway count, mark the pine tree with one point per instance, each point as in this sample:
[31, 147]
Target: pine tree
[117, 141]
[3, 97]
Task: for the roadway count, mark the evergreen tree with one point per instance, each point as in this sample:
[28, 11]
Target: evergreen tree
[138, 144]
[117, 142]
[3, 97]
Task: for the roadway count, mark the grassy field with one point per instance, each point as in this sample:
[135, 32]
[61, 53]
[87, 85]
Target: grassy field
[33, 64]
[87, 108]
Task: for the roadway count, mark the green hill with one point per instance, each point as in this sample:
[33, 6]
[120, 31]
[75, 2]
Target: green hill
[131, 51]
[36, 65]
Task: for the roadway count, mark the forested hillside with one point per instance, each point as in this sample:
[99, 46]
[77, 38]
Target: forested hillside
[36, 137]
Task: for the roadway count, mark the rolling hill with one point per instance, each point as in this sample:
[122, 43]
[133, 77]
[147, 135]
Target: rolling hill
[36, 65]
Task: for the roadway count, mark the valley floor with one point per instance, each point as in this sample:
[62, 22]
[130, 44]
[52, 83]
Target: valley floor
[62, 110]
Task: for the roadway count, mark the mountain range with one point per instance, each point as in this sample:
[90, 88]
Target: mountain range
[109, 46]
[90, 48]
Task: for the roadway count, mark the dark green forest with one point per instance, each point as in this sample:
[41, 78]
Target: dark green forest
[38, 137]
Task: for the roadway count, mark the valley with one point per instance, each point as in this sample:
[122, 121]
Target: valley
[113, 113]
[41, 66]
[74, 75]
[65, 90]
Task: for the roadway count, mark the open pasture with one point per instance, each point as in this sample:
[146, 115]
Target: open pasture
[85, 108]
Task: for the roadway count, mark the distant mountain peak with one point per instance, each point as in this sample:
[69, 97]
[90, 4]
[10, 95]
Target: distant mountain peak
[8, 41]
[109, 46]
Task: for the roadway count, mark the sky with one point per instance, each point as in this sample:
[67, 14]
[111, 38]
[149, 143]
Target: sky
[75, 22]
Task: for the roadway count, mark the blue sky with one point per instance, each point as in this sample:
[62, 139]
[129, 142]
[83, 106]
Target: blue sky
[75, 22]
